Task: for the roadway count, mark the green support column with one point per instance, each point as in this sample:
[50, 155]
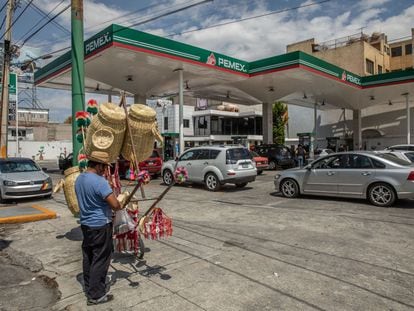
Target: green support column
[78, 72]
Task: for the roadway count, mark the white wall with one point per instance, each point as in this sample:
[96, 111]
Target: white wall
[52, 149]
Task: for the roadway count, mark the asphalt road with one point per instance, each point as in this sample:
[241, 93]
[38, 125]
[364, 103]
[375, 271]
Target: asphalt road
[245, 249]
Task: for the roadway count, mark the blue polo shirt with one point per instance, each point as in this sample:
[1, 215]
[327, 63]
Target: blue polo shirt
[91, 191]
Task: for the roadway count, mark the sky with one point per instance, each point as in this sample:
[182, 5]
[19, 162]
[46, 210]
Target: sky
[285, 22]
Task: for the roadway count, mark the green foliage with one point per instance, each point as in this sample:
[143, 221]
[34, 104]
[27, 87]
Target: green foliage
[280, 118]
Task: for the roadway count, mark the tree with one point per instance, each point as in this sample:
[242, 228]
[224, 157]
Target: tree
[280, 119]
[68, 120]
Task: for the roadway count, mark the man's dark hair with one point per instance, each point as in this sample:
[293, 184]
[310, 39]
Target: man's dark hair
[93, 164]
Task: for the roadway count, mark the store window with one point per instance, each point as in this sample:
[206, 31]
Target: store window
[379, 69]
[186, 123]
[396, 51]
[165, 123]
[408, 49]
[369, 66]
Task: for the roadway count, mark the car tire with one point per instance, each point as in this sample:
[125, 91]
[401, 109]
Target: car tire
[259, 172]
[48, 197]
[381, 194]
[212, 182]
[167, 177]
[272, 165]
[241, 185]
[289, 188]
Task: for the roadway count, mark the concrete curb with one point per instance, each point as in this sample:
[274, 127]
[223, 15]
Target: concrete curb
[43, 214]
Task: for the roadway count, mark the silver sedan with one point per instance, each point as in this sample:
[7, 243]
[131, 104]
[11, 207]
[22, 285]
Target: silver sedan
[380, 178]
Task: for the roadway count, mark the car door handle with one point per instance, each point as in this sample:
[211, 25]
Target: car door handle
[366, 173]
[205, 163]
[188, 164]
[331, 173]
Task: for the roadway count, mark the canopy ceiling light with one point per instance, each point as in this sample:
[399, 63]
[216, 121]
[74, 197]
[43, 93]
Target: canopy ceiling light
[389, 103]
[129, 78]
[271, 89]
[304, 95]
[186, 85]
[372, 97]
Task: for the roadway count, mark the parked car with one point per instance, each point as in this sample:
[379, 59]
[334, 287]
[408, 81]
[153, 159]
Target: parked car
[279, 156]
[401, 147]
[379, 177]
[23, 178]
[153, 165]
[214, 166]
[323, 152]
[401, 154]
[262, 163]
[65, 161]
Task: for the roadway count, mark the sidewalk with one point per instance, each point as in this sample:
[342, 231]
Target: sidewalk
[24, 213]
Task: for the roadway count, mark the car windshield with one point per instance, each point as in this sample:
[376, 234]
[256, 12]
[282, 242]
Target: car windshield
[18, 167]
[393, 158]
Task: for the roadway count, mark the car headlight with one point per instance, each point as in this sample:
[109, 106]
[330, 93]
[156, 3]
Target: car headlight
[10, 183]
[277, 176]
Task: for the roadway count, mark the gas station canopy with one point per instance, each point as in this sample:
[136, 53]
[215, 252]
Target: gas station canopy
[120, 58]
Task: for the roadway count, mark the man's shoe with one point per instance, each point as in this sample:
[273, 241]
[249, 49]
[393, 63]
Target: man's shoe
[103, 299]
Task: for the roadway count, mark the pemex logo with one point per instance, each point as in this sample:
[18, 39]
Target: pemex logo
[344, 76]
[211, 60]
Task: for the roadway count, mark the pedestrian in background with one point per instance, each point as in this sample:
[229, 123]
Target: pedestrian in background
[300, 155]
[96, 202]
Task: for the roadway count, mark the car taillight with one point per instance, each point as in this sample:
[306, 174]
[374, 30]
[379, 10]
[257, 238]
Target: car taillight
[411, 176]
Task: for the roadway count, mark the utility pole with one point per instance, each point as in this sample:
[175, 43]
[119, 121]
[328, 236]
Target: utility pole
[4, 106]
[78, 71]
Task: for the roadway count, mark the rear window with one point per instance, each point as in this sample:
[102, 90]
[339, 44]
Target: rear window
[410, 156]
[155, 154]
[393, 158]
[238, 154]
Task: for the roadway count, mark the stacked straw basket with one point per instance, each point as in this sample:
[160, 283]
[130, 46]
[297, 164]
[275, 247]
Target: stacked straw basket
[106, 132]
[69, 189]
[144, 131]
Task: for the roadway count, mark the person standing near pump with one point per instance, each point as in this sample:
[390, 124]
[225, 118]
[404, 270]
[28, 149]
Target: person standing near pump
[300, 155]
[96, 202]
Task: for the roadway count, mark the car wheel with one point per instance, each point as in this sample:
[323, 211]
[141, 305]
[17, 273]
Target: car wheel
[381, 194]
[212, 182]
[241, 185]
[49, 196]
[168, 177]
[272, 165]
[259, 172]
[289, 188]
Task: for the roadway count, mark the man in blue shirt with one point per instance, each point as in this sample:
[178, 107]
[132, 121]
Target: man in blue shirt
[96, 203]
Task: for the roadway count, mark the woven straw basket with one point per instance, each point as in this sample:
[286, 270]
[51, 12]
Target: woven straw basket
[106, 132]
[144, 131]
[69, 189]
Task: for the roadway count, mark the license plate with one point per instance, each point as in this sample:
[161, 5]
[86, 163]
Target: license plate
[150, 163]
[245, 165]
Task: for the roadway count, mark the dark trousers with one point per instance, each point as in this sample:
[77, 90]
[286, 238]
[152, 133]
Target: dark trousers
[97, 250]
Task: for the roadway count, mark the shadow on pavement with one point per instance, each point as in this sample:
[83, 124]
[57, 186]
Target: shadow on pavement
[75, 234]
[403, 204]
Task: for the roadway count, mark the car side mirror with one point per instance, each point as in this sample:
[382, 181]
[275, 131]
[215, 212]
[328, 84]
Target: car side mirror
[176, 159]
[44, 169]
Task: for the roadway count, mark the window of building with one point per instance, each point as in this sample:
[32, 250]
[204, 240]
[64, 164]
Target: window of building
[186, 123]
[408, 49]
[379, 69]
[396, 51]
[165, 123]
[370, 66]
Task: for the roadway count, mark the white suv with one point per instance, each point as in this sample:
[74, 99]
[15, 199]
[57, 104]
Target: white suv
[214, 166]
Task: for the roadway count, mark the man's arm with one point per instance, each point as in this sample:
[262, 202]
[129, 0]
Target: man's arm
[113, 202]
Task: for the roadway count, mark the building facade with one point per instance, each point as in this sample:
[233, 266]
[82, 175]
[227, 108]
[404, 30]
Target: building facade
[364, 55]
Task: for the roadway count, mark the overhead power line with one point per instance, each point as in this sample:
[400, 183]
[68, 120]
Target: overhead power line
[249, 18]
[41, 12]
[44, 16]
[40, 28]
[17, 18]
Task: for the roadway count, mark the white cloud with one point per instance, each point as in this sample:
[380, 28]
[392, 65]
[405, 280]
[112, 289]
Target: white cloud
[369, 4]
[308, 7]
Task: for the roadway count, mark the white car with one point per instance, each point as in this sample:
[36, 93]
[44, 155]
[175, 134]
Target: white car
[214, 166]
[401, 154]
[405, 147]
